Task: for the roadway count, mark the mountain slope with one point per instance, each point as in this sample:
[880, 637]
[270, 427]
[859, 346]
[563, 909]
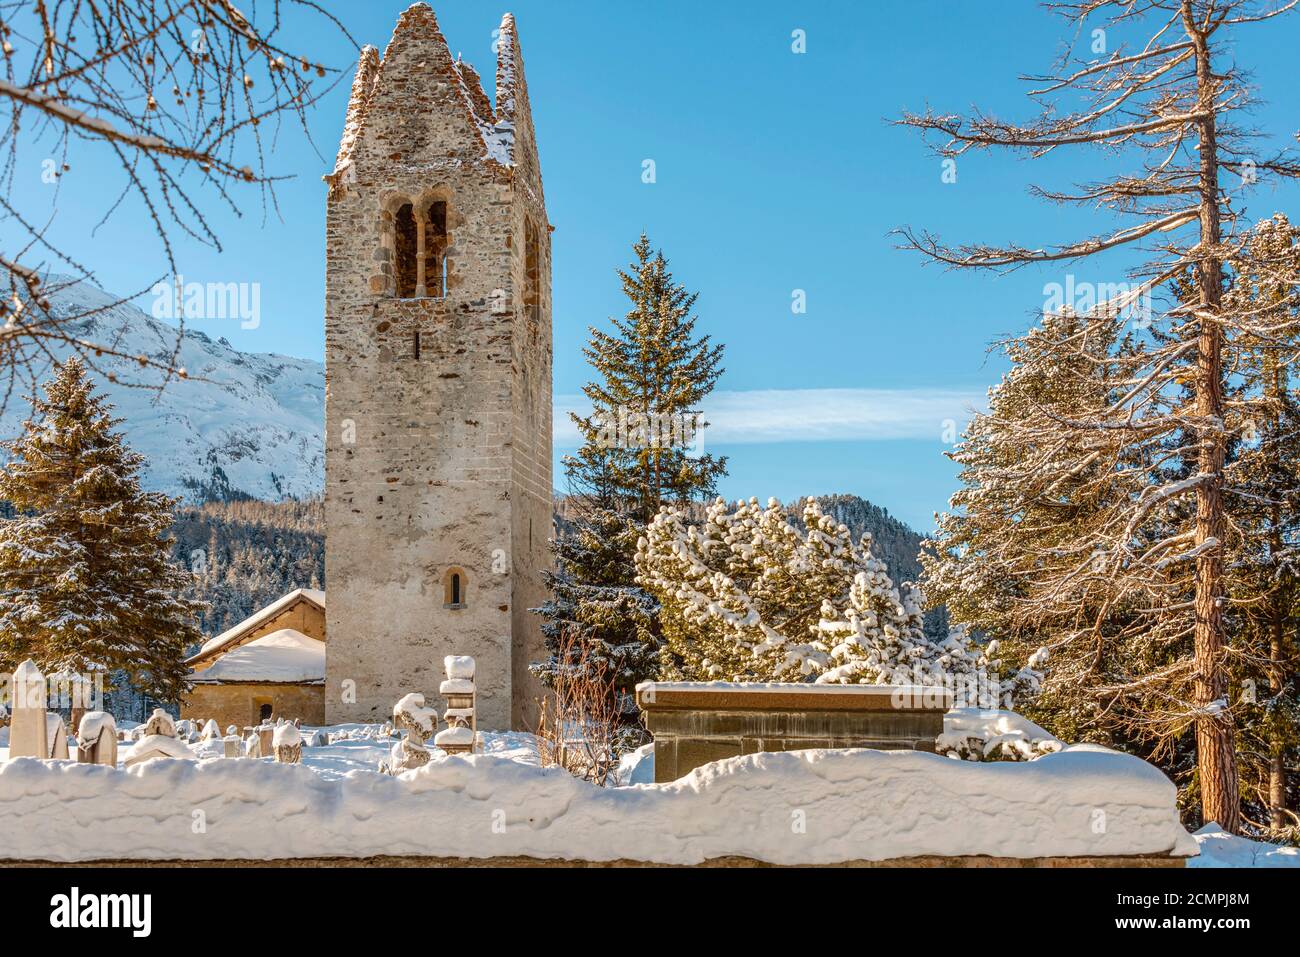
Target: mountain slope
[241, 425]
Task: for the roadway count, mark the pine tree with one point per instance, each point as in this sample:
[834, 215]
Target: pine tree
[748, 596]
[86, 581]
[653, 371]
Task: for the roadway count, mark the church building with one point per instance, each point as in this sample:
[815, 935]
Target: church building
[438, 381]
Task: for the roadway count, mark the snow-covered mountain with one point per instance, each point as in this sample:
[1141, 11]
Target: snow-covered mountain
[240, 424]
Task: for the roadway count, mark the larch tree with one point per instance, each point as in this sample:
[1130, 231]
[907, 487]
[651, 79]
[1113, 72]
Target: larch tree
[1165, 105]
[182, 99]
[1262, 497]
[639, 451]
[87, 584]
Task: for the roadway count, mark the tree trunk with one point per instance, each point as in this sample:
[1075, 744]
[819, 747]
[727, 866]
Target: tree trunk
[1215, 753]
[1277, 817]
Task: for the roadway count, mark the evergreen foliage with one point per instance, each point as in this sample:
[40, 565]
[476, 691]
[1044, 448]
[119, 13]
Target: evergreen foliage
[86, 579]
[652, 373]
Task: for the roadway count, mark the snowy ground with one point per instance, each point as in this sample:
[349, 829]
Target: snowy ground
[1225, 850]
[811, 807]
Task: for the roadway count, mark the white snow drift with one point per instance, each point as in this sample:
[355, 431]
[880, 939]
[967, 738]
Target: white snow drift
[806, 807]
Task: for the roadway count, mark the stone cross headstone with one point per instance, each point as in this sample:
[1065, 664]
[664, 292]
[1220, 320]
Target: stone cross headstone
[28, 734]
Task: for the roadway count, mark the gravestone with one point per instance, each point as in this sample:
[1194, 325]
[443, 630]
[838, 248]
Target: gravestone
[287, 742]
[461, 733]
[28, 733]
[97, 739]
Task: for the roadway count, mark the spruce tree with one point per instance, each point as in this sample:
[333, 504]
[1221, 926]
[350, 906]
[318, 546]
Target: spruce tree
[86, 580]
[637, 454]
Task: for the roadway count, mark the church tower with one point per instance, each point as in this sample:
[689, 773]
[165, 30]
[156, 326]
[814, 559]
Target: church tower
[438, 382]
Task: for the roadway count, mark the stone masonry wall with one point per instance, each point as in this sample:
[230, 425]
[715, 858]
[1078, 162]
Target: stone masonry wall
[437, 457]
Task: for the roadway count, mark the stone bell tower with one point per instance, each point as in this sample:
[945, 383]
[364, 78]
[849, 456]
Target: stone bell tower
[438, 381]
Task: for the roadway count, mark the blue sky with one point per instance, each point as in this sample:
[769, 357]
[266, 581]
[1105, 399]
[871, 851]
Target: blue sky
[775, 171]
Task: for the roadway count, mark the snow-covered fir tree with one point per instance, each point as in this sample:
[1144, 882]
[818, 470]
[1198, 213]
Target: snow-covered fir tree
[749, 596]
[86, 580]
[652, 372]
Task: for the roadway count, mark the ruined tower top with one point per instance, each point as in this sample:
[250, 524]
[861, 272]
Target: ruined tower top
[416, 77]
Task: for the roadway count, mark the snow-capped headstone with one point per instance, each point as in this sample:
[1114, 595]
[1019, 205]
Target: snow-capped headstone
[28, 736]
[157, 744]
[410, 715]
[97, 739]
[265, 733]
[159, 723]
[287, 742]
[460, 735]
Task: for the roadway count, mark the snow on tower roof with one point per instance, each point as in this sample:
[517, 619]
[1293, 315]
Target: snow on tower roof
[282, 657]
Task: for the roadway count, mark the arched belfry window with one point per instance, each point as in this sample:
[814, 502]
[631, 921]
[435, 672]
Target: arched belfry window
[454, 583]
[405, 245]
[420, 249]
[435, 249]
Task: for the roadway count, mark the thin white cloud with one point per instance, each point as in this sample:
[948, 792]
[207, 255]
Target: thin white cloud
[812, 415]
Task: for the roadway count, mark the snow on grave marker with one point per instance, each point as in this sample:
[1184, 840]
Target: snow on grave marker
[28, 736]
[232, 744]
[461, 733]
[97, 739]
[264, 734]
[159, 740]
[410, 715]
[287, 742]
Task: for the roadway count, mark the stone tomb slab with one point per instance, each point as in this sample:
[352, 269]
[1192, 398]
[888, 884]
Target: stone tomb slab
[695, 723]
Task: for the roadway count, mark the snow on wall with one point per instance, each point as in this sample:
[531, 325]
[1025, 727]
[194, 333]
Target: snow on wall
[853, 804]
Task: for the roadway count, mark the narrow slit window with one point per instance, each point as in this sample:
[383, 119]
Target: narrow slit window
[405, 244]
[453, 588]
[532, 272]
[415, 345]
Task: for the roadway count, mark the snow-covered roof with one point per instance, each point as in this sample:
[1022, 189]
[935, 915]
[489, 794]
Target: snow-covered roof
[284, 656]
[231, 635]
